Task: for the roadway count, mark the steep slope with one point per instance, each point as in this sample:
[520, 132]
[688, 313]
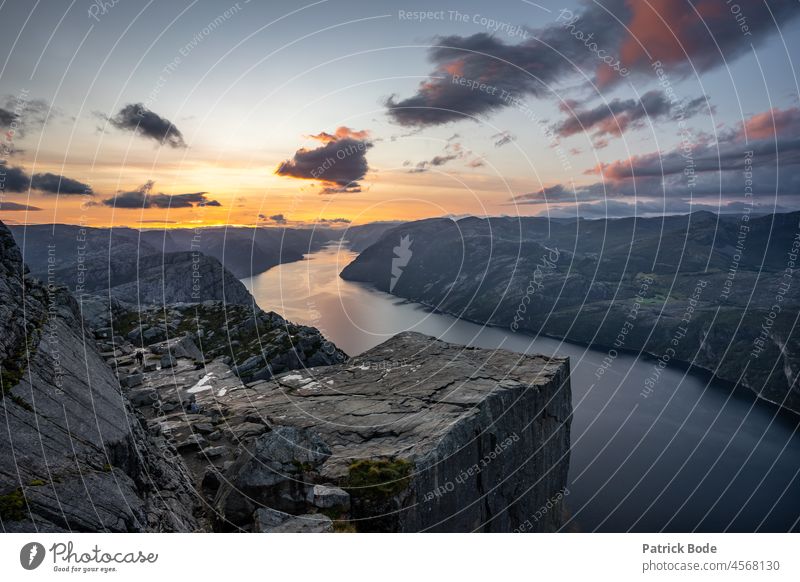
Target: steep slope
[158, 279]
[73, 455]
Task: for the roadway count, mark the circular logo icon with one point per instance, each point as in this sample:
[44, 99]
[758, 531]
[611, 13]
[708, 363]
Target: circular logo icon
[31, 555]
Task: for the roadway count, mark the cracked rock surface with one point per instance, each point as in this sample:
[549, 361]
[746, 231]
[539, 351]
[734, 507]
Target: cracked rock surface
[418, 434]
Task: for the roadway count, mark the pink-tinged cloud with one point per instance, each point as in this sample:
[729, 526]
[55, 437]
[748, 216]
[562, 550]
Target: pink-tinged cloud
[614, 117]
[341, 132]
[698, 35]
[480, 74]
[338, 164]
[773, 123]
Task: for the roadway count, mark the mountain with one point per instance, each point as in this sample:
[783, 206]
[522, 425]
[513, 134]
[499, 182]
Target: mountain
[714, 292]
[360, 237]
[218, 416]
[157, 279]
[244, 251]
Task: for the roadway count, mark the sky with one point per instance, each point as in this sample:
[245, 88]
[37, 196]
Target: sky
[194, 112]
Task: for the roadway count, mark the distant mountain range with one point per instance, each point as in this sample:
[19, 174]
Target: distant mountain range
[244, 251]
[717, 292]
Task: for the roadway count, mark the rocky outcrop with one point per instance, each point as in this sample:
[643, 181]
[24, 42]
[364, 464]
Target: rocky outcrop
[257, 344]
[73, 455]
[697, 290]
[414, 435]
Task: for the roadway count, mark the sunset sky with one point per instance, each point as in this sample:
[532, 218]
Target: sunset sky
[200, 112]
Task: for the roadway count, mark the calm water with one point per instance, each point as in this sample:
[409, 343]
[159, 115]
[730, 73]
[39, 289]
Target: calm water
[692, 456]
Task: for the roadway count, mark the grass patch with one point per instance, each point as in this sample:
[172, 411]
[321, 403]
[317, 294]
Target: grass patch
[378, 479]
[12, 506]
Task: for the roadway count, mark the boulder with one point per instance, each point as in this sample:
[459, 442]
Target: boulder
[270, 472]
[328, 497]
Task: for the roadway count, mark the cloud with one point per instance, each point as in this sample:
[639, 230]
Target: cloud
[57, 184]
[137, 118]
[771, 124]
[479, 74]
[144, 197]
[335, 220]
[728, 169]
[339, 163]
[16, 179]
[556, 192]
[452, 151]
[698, 36]
[772, 147]
[8, 206]
[618, 115]
[341, 132]
[275, 218]
[13, 178]
[503, 138]
[6, 117]
[20, 115]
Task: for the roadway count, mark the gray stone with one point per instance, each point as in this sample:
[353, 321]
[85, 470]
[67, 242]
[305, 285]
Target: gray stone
[168, 361]
[270, 472]
[133, 380]
[194, 441]
[328, 497]
[214, 452]
[203, 427]
[247, 429]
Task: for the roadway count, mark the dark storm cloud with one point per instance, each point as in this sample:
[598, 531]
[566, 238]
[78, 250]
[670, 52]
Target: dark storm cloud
[137, 118]
[479, 74]
[618, 115]
[14, 206]
[339, 163]
[16, 179]
[144, 197]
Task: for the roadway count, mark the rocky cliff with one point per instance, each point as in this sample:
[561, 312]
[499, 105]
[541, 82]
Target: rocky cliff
[414, 435]
[696, 290]
[73, 455]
